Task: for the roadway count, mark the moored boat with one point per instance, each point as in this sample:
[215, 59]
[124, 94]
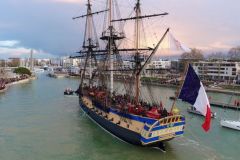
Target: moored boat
[3, 86]
[231, 124]
[69, 92]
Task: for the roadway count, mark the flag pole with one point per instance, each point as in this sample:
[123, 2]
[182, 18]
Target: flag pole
[180, 88]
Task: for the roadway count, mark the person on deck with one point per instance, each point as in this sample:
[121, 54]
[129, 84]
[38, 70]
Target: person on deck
[164, 113]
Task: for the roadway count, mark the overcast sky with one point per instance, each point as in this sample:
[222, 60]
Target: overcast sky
[46, 25]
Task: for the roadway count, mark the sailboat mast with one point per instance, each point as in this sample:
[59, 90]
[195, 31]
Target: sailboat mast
[137, 56]
[31, 60]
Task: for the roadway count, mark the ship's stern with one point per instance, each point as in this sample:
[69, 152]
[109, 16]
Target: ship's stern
[162, 130]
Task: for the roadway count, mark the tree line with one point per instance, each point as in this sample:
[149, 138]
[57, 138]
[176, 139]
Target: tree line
[197, 54]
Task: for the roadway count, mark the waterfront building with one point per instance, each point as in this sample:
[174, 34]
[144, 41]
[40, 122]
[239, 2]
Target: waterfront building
[3, 63]
[74, 70]
[157, 67]
[14, 62]
[42, 62]
[175, 65]
[55, 61]
[69, 62]
[65, 62]
[24, 62]
[75, 62]
[128, 65]
[217, 70]
[160, 64]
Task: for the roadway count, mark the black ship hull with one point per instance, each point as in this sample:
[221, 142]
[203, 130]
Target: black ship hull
[116, 130]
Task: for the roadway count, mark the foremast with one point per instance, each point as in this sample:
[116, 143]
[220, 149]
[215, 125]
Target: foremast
[90, 43]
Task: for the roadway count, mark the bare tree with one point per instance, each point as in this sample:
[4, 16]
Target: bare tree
[234, 53]
[217, 56]
[194, 54]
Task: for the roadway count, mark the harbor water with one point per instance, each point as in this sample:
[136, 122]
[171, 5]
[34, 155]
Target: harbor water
[38, 123]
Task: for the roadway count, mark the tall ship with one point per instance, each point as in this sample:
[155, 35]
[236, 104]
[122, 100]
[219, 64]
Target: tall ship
[126, 114]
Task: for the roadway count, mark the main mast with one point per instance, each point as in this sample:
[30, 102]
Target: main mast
[110, 46]
[111, 36]
[137, 55]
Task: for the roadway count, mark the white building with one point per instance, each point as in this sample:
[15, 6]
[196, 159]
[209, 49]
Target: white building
[218, 70]
[128, 65]
[55, 61]
[23, 63]
[75, 62]
[74, 70]
[160, 64]
[70, 62]
[43, 62]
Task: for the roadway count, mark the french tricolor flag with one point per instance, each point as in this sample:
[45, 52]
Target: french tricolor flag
[194, 93]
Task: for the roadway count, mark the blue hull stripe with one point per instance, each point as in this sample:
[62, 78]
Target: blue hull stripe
[165, 126]
[179, 133]
[149, 139]
[157, 138]
[146, 128]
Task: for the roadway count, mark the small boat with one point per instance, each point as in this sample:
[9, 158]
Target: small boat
[38, 70]
[2, 87]
[231, 124]
[194, 111]
[69, 91]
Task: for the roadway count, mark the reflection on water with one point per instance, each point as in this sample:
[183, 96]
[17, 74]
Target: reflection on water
[38, 122]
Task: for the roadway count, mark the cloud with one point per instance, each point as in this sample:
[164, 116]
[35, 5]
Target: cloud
[8, 43]
[69, 1]
[48, 25]
[61, 1]
[22, 52]
[220, 45]
[12, 48]
[216, 46]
